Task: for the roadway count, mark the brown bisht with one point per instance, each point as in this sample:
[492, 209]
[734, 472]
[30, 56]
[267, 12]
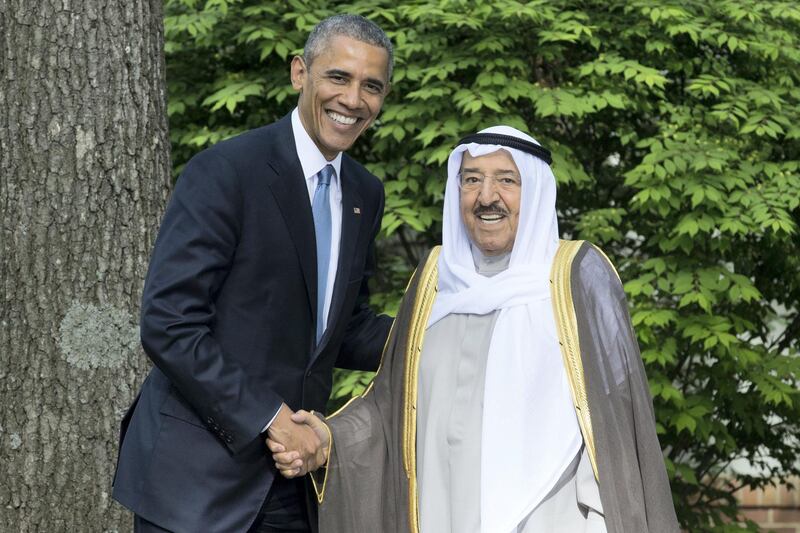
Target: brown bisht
[370, 483]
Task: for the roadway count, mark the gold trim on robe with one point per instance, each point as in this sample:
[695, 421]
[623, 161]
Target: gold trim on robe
[567, 327]
[423, 303]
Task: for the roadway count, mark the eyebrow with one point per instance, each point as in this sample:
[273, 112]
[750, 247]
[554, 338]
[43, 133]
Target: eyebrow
[345, 74]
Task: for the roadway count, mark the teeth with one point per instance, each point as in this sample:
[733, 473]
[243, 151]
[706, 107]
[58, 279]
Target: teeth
[341, 119]
[490, 219]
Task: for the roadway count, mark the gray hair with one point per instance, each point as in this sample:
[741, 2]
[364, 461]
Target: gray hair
[353, 26]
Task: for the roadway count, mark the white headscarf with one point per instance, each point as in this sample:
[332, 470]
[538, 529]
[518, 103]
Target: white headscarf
[530, 432]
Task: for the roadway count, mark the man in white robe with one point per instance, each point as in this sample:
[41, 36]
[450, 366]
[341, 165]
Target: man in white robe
[482, 418]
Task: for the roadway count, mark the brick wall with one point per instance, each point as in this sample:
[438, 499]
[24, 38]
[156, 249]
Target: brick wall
[773, 508]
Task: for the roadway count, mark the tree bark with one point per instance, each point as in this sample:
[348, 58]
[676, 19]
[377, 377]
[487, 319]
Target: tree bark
[84, 177]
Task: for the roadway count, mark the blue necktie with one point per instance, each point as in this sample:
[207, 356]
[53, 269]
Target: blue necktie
[321, 209]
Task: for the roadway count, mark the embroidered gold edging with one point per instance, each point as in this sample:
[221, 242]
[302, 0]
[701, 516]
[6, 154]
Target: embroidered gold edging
[423, 303]
[567, 325]
[321, 492]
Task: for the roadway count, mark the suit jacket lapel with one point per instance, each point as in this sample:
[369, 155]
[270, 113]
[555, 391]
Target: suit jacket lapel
[351, 222]
[291, 194]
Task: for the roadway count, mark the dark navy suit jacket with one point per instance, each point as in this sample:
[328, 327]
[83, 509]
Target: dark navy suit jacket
[228, 319]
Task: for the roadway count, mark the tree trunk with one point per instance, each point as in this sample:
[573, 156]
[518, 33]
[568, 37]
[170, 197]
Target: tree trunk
[84, 177]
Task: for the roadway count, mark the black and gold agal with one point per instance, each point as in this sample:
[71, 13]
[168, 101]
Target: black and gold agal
[536, 150]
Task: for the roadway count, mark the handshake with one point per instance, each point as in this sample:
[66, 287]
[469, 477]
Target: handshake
[299, 442]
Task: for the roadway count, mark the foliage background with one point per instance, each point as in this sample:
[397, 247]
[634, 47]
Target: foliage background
[675, 129]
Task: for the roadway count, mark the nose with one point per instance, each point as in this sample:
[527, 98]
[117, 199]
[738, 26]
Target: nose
[351, 96]
[488, 192]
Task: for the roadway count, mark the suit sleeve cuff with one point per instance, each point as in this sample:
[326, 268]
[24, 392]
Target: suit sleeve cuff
[271, 420]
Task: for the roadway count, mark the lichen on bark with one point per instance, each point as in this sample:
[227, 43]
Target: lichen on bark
[92, 336]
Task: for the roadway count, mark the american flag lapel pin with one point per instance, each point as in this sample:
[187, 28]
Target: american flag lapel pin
[357, 210]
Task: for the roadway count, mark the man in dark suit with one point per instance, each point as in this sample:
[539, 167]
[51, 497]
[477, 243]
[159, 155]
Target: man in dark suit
[257, 288]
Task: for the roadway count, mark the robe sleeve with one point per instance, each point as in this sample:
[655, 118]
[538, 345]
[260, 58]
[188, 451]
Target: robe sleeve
[366, 486]
[360, 490]
[634, 485]
[659, 507]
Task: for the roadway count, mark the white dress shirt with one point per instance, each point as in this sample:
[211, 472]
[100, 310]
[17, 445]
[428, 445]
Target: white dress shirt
[312, 161]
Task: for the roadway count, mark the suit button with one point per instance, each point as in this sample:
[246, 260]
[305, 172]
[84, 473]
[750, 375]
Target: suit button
[228, 439]
[308, 374]
[209, 421]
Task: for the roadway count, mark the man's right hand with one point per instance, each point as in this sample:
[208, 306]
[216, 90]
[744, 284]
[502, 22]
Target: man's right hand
[299, 447]
[287, 460]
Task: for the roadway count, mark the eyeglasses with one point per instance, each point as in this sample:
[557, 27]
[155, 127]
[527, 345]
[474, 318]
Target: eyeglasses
[473, 181]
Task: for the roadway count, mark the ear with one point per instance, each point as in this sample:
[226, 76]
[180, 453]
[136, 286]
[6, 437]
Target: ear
[299, 72]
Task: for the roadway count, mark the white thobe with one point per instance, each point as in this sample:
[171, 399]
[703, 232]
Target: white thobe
[449, 414]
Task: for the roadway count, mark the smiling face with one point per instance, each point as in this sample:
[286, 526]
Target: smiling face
[341, 93]
[491, 212]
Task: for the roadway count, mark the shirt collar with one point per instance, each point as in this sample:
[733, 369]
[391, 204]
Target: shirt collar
[311, 159]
